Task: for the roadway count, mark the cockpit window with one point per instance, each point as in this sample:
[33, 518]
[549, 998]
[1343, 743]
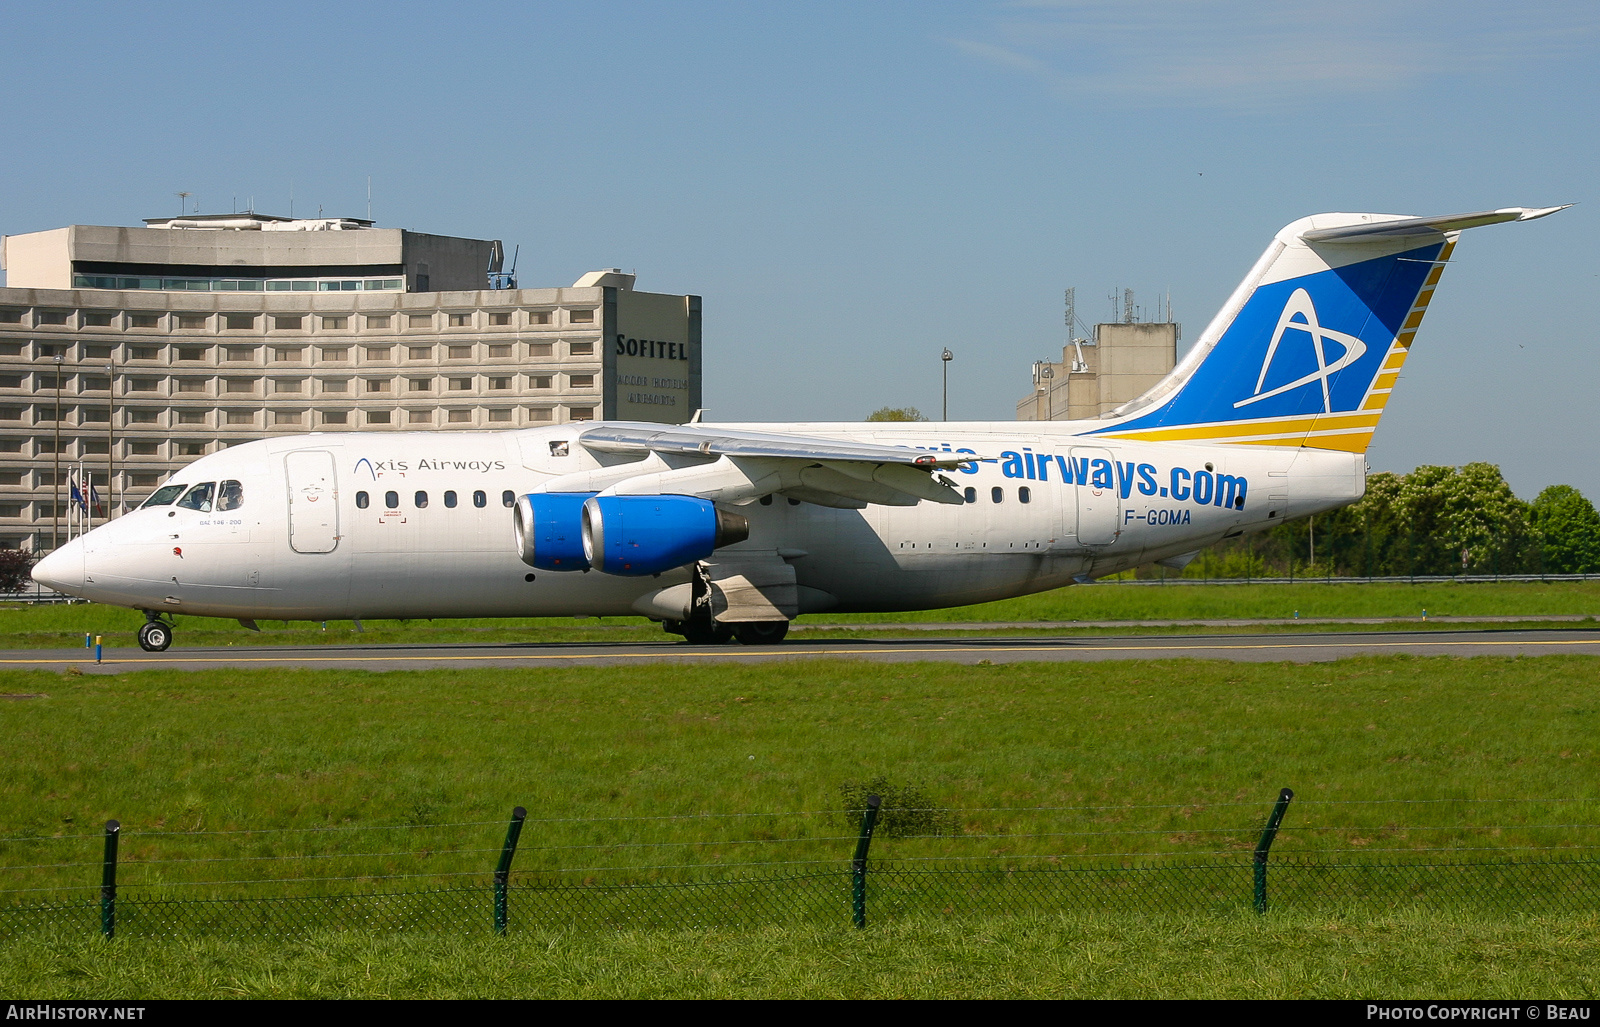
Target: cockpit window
[199, 497]
[230, 495]
[164, 496]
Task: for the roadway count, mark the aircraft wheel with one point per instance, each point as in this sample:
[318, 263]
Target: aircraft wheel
[761, 632]
[154, 637]
[716, 634]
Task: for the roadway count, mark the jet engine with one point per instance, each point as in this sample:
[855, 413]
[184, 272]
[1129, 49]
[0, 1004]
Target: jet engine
[549, 530]
[638, 535]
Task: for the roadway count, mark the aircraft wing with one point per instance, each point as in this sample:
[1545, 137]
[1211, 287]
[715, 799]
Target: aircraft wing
[738, 466]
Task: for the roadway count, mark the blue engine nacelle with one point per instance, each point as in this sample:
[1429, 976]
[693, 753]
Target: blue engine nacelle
[549, 530]
[639, 535]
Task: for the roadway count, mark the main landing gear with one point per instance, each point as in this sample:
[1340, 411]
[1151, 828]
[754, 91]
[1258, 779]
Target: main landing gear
[712, 633]
[156, 634]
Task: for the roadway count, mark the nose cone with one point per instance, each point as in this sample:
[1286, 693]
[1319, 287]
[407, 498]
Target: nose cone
[62, 570]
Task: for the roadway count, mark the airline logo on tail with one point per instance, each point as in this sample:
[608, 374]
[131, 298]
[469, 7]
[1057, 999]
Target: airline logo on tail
[1300, 314]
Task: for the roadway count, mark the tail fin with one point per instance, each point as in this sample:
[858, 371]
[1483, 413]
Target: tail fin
[1308, 347]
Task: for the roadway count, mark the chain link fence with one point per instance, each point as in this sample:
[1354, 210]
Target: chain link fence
[883, 872]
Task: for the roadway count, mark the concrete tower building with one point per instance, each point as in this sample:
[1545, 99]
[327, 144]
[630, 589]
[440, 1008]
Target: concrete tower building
[128, 352]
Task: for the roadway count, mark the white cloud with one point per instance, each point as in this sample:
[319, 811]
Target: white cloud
[1232, 53]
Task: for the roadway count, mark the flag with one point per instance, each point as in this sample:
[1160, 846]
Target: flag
[94, 498]
[77, 495]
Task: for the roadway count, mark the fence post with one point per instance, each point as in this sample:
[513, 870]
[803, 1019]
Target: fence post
[108, 881]
[502, 872]
[858, 866]
[1265, 844]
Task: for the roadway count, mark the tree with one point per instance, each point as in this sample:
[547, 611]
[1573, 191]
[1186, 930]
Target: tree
[896, 414]
[1570, 527]
[14, 567]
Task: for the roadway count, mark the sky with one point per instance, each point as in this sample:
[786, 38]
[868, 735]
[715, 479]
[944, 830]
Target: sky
[854, 187]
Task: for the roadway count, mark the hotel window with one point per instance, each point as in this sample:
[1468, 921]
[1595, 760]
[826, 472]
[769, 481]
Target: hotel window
[144, 448]
[539, 381]
[499, 415]
[144, 385]
[144, 417]
[379, 352]
[191, 417]
[499, 352]
[10, 317]
[51, 317]
[238, 385]
[239, 353]
[335, 353]
[583, 413]
[581, 349]
[286, 417]
[378, 385]
[239, 320]
[191, 320]
[420, 352]
[503, 318]
[380, 321]
[193, 385]
[420, 320]
[460, 353]
[539, 317]
[460, 416]
[335, 323]
[336, 385]
[191, 449]
[377, 417]
[10, 381]
[499, 383]
[45, 349]
[288, 324]
[538, 413]
[581, 381]
[460, 384]
[144, 353]
[421, 417]
[93, 383]
[191, 353]
[286, 385]
[460, 320]
[336, 417]
[97, 352]
[10, 349]
[144, 320]
[97, 320]
[143, 481]
[419, 384]
[284, 355]
[539, 349]
[581, 317]
[241, 417]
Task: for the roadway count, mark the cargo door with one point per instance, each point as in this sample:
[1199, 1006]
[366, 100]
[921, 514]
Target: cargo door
[1098, 508]
[313, 501]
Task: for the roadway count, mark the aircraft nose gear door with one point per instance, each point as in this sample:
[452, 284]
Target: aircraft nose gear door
[313, 501]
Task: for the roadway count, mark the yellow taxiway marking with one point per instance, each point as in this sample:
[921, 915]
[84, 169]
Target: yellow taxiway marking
[796, 652]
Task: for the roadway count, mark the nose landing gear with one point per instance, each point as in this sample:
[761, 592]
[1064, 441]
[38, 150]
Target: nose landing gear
[156, 634]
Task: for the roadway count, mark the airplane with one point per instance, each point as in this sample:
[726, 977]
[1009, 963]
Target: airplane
[730, 531]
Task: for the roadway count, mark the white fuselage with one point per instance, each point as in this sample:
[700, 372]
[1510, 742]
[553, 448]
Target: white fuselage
[385, 542]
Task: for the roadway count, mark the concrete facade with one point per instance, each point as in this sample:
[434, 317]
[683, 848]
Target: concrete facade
[1122, 363]
[133, 383]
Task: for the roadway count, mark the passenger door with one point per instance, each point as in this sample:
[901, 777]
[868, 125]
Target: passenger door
[313, 501]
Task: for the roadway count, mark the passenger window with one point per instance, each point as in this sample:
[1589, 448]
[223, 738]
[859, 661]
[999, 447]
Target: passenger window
[164, 496]
[971, 494]
[508, 498]
[480, 500]
[450, 500]
[391, 500]
[1024, 495]
[997, 494]
[199, 497]
[421, 499]
[362, 499]
[230, 496]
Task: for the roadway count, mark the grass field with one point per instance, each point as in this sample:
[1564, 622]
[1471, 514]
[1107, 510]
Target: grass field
[63, 626]
[656, 770]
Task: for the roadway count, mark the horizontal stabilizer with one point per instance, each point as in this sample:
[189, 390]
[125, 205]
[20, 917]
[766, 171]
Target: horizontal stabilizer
[1395, 228]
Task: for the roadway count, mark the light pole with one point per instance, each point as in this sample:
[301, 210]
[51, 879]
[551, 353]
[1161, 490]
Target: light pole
[111, 439]
[55, 494]
[945, 359]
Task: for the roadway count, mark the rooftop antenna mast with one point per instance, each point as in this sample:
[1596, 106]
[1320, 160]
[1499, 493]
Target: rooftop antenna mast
[183, 203]
[1079, 365]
